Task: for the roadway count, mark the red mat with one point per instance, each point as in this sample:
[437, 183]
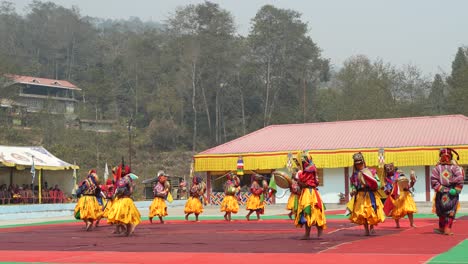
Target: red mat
[273, 241]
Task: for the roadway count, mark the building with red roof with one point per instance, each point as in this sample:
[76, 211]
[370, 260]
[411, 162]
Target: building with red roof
[410, 143]
[36, 94]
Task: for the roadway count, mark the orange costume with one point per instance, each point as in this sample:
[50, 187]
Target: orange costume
[88, 208]
[158, 207]
[365, 205]
[231, 187]
[310, 210]
[194, 204]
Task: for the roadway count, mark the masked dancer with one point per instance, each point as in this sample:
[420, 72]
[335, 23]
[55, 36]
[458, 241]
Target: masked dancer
[230, 202]
[158, 207]
[124, 213]
[365, 206]
[194, 204]
[310, 211]
[447, 183]
[400, 200]
[88, 208]
[256, 201]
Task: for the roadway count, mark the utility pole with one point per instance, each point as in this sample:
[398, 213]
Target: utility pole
[130, 142]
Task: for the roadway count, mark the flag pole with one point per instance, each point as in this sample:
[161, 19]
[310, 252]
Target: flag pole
[40, 186]
[106, 173]
[33, 173]
[74, 180]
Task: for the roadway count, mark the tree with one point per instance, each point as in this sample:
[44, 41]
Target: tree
[367, 89]
[437, 98]
[208, 31]
[287, 61]
[457, 99]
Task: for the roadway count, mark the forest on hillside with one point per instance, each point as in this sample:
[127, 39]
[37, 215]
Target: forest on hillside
[193, 82]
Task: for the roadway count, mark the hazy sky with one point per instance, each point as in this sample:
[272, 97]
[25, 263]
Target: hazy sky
[424, 33]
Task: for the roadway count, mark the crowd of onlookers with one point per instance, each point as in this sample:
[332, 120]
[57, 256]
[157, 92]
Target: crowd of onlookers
[16, 194]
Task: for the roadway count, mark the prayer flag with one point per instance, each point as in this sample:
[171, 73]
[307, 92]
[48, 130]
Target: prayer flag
[240, 166]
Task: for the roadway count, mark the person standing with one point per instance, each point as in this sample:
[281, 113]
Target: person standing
[194, 204]
[256, 201]
[158, 207]
[230, 204]
[124, 213]
[400, 200]
[365, 206]
[310, 210]
[87, 207]
[447, 183]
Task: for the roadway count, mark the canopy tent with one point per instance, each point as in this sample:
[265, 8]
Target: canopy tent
[14, 161]
[22, 157]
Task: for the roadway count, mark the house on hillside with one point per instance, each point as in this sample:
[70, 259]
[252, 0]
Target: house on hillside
[410, 143]
[41, 94]
[26, 94]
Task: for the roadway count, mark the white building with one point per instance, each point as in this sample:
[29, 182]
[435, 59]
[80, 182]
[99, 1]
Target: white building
[410, 143]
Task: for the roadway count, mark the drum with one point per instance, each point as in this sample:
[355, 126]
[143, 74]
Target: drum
[231, 190]
[282, 178]
[403, 183]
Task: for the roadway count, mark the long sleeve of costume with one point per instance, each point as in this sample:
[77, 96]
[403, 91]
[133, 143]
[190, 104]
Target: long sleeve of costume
[435, 181]
[459, 175]
[443, 184]
[378, 180]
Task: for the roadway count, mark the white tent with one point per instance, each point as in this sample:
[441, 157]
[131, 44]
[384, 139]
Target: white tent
[16, 162]
[22, 157]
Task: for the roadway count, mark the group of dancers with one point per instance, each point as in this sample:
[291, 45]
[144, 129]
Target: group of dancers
[112, 201]
[305, 203]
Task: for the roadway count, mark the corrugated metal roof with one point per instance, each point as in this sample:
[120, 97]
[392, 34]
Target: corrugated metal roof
[42, 82]
[357, 134]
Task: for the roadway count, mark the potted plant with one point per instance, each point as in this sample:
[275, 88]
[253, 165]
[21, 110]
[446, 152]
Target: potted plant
[342, 198]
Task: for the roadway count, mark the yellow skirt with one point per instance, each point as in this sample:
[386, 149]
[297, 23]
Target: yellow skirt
[108, 206]
[124, 212]
[403, 205]
[253, 203]
[158, 207]
[311, 207]
[89, 208]
[230, 204]
[291, 202]
[193, 205]
[362, 211]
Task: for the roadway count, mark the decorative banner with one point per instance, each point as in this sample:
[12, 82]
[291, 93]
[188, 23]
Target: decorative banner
[240, 166]
[381, 157]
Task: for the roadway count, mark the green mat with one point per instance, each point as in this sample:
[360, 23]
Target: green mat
[457, 254]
